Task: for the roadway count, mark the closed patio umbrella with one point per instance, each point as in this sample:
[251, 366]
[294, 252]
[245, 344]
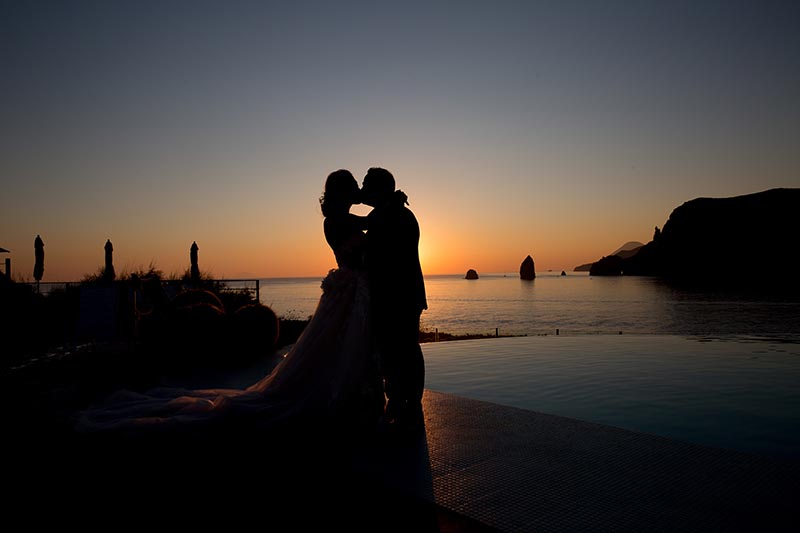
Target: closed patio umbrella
[108, 272]
[195, 269]
[38, 267]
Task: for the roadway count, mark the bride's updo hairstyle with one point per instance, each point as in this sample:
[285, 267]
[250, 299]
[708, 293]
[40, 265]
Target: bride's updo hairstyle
[341, 191]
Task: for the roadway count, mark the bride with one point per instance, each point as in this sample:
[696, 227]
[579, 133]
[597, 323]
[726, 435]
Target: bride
[328, 379]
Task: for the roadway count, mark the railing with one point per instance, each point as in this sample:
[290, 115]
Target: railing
[252, 286]
[226, 285]
[46, 287]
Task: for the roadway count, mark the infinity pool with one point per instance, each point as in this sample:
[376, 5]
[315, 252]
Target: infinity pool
[731, 392]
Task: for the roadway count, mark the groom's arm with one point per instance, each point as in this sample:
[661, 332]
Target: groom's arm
[361, 222]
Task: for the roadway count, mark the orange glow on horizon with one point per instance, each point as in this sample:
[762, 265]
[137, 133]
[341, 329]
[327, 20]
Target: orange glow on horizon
[441, 252]
[285, 239]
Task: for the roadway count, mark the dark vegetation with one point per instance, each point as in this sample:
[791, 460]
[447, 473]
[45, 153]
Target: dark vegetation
[73, 345]
[165, 324]
[60, 353]
[187, 323]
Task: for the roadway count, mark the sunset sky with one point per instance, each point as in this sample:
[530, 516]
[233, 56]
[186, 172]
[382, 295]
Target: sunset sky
[557, 129]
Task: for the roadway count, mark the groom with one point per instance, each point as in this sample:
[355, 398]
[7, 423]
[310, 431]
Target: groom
[397, 296]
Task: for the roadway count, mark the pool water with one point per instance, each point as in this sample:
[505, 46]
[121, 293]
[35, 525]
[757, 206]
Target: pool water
[729, 392]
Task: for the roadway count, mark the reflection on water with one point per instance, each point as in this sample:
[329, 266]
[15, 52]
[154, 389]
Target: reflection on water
[729, 392]
[709, 312]
[576, 303]
[714, 367]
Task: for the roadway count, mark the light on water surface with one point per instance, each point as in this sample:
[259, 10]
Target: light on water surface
[717, 368]
[734, 393]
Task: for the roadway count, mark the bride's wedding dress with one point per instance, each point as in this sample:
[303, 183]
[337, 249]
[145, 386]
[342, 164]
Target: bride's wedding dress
[328, 378]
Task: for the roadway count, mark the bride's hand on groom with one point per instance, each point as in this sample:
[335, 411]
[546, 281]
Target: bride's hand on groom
[401, 197]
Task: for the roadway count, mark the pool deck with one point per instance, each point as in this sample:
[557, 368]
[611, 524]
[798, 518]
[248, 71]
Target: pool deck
[511, 469]
[478, 466]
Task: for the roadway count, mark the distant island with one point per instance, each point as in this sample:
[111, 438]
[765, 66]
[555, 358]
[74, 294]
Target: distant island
[626, 250]
[743, 241]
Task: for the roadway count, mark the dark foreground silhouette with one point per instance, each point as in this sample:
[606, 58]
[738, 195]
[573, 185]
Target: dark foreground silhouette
[298, 475]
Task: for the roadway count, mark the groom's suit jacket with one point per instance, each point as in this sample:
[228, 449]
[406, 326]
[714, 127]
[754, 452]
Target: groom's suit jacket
[392, 260]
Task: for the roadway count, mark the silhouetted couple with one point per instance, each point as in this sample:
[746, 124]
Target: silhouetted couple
[357, 365]
[389, 256]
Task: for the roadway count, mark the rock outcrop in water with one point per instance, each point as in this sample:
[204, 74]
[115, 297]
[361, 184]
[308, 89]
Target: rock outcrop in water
[527, 269]
[742, 241]
[471, 274]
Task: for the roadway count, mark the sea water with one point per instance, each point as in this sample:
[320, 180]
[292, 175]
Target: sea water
[727, 392]
[573, 304]
[719, 368]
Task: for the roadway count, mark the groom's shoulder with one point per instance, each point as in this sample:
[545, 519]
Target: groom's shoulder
[408, 213]
[407, 220]
[393, 215]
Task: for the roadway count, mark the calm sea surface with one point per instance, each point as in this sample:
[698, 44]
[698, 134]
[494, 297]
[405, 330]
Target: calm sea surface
[573, 304]
[727, 392]
[715, 368]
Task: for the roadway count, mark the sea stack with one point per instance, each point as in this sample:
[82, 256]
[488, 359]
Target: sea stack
[471, 274]
[527, 269]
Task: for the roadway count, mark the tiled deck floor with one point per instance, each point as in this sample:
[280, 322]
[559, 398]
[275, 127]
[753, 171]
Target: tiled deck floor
[480, 463]
[518, 470]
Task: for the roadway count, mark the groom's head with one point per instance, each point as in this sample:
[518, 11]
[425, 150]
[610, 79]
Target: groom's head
[377, 187]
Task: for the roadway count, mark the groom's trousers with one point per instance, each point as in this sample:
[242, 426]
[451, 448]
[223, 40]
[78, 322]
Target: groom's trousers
[402, 364]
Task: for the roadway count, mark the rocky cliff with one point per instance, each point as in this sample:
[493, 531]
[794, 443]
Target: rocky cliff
[742, 240]
[628, 249]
